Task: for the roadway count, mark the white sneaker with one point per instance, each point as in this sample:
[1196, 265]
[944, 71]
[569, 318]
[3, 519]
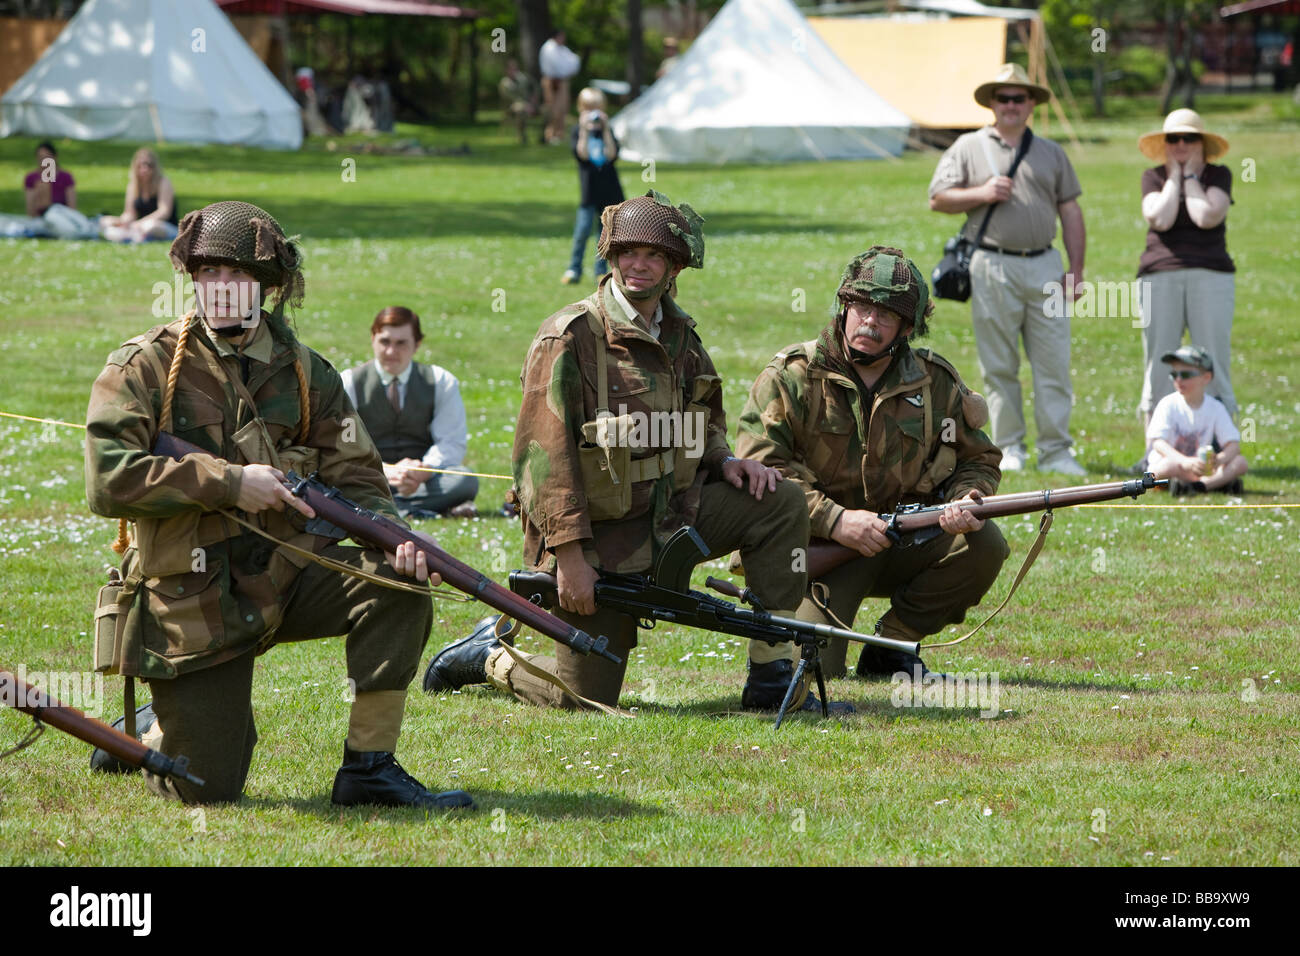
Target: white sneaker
[1013, 459]
[1063, 464]
[569, 278]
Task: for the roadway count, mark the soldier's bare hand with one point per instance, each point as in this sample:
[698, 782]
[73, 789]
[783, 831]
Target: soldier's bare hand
[409, 561]
[575, 580]
[957, 520]
[262, 487]
[745, 471]
[863, 531]
[997, 189]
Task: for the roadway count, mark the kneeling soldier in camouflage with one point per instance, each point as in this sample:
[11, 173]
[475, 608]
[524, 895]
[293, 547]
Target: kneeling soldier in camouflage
[204, 595]
[861, 422]
[597, 494]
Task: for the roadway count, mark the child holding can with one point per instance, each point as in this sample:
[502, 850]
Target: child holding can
[1191, 438]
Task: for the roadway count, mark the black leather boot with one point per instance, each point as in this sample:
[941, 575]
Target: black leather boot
[878, 662]
[464, 661]
[375, 777]
[766, 685]
[103, 761]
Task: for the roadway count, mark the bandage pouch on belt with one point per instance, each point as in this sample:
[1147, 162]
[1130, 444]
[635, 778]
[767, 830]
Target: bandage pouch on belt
[606, 466]
[695, 422]
[115, 599]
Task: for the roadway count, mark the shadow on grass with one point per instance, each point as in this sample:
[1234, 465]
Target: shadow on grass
[874, 708]
[547, 805]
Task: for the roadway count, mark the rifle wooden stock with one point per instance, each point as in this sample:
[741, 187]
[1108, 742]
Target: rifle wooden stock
[376, 529]
[825, 556]
[45, 709]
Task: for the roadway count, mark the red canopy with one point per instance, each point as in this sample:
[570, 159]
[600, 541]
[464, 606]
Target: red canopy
[1254, 6]
[416, 8]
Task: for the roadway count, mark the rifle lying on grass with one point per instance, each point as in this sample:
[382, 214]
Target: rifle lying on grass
[45, 709]
[666, 596]
[920, 523]
[350, 519]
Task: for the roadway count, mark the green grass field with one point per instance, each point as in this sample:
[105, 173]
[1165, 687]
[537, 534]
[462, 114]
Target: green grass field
[1147, 712]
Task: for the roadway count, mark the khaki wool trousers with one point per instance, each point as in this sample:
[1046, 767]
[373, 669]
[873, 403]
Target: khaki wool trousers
[207, 715]
[766, 532]
[929, 586]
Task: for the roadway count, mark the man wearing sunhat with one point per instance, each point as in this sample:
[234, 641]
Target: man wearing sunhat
[1188, 278]
[1016, 271]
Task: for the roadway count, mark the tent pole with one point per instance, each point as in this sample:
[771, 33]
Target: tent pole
[473, 70]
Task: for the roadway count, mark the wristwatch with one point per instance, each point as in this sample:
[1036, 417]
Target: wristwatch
[1189, 175]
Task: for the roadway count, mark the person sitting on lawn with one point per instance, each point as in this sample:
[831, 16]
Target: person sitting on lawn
[150, 208]
[1188, 420]
[416, 418]
[48, 185]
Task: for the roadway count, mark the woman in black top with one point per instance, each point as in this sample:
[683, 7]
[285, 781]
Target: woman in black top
[1187, 277]
[150, 208]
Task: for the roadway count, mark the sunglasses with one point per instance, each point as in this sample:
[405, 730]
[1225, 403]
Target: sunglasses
[1172, 138]
[1185, 373]
[1011, 97]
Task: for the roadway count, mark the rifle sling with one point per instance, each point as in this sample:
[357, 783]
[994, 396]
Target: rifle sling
[558, 681]
[1044, 526]
[342, 568]
[821, 598]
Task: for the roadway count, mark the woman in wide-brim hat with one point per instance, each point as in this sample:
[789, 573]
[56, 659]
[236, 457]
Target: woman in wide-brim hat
[1186, 273]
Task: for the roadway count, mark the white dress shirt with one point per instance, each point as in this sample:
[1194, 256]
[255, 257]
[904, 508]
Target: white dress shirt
[448, 432]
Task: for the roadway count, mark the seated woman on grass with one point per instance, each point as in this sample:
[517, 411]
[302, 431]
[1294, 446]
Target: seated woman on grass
[150, 208]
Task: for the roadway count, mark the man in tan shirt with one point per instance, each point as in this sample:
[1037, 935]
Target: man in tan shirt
[1015, 272]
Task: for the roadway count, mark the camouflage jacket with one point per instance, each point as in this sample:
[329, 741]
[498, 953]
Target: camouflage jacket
[645, 377]
[209, 589]
[916, 444]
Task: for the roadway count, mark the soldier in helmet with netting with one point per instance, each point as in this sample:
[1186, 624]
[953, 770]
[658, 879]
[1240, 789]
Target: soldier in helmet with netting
[203, 594]
[860, 421]
[601, 485]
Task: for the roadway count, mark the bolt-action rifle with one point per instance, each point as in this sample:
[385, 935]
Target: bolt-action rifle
[916, 524]
[336, 514]
[45, 709]
[667, 596]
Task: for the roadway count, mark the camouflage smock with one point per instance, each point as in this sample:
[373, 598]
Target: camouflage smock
[209, 589]
[560, 394]
[900, 452]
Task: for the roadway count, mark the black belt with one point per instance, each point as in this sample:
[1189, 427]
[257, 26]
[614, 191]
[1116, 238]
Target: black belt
[1023, 253]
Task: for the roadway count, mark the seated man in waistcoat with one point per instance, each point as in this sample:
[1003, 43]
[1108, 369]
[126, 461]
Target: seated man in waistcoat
[414, 414]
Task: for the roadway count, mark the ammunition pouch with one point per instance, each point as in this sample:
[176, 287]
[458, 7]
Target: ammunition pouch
[111, 610]
[938, 471]
[703, 388]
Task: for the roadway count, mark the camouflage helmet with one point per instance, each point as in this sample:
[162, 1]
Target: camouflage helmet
[652, 220]
[885, 276]
[242, 234]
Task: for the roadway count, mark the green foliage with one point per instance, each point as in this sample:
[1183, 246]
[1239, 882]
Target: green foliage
[1147, 665]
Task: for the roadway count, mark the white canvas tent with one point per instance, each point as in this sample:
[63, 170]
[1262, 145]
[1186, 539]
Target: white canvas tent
[165, 70]
[759, 86]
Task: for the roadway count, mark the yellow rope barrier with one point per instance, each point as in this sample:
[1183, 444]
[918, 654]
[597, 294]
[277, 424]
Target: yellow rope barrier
[435, 471]
[480, 474]
[47, 421]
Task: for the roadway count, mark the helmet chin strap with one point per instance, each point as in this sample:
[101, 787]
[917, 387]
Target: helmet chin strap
[857, 356]
[639, 295]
